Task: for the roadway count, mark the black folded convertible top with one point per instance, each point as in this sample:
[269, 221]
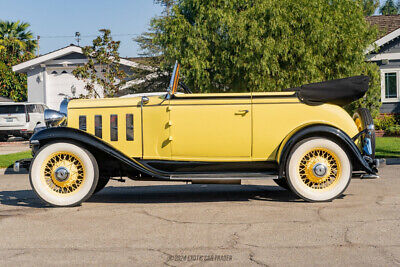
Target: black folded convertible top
[339, 92]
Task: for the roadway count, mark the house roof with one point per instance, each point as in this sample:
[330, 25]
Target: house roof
[388, 26]
[385, 24]
[24, 66]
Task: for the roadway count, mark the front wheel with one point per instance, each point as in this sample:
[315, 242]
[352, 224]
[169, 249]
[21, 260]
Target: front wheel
[64, 174]
[318, 170]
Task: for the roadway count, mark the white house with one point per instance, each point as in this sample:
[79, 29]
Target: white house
[388, 59]
[50, 75]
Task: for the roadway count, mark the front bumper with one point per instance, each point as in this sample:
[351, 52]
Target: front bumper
[22, 164]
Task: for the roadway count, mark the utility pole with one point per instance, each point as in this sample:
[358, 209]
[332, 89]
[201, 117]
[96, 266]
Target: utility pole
[38, 39]
[78, 37]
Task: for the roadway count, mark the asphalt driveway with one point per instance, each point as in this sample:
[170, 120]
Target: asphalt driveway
[177, 224]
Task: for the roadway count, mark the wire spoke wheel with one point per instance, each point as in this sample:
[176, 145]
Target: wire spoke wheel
[319, 168]
[63, 172]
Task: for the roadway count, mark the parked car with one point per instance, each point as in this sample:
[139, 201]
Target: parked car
[301, 138]
[20, 119]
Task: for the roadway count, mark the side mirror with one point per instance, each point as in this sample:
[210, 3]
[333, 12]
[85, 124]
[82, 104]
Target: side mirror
[53, 118]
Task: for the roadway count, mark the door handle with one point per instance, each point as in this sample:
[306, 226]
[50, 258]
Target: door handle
[242, 112]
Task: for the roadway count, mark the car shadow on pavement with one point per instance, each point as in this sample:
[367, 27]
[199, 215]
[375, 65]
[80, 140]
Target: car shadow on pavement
[20, 198]
[164, 194]
[192, 193]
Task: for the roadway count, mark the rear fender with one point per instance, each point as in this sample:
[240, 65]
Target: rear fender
[358, 162]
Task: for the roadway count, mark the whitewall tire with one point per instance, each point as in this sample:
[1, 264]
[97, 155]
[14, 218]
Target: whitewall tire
[63, 174]
[318, 169]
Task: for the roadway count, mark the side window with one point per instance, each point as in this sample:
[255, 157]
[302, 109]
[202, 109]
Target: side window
[114, 127]
[391, 85]
[82, 123]
[98, 123]
[129, 127]
[30, 108]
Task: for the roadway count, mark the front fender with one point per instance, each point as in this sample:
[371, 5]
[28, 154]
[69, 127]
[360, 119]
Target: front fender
[55, 134]
[359, 163]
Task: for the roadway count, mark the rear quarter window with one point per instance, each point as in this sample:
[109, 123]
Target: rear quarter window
[12, 109]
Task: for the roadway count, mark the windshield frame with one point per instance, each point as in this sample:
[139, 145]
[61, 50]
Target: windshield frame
[173, 83]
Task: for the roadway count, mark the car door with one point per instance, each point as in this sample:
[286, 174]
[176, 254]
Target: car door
[210, 127]
[155, 129]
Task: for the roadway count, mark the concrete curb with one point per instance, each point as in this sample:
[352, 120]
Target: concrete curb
[392, 161]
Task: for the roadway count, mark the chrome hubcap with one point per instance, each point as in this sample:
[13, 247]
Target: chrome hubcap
[61, 174]
[320, 169]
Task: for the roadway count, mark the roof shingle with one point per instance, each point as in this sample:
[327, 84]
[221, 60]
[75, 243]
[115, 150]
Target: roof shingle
[386, 24]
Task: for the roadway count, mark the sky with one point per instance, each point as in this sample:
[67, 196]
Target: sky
[56, 21]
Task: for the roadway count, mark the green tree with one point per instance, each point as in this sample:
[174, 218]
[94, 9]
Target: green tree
[102, 67]
[370, 6]
[156, 80]
[389, 8]
[167, 4]
[16, 38]
[16, 46]
[267, 45]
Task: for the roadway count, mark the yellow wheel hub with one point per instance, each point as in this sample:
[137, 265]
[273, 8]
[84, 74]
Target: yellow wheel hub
[319, 168]
[63, 172]
[359, 124]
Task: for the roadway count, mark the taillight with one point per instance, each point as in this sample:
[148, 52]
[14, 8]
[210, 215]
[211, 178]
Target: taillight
[27, 117]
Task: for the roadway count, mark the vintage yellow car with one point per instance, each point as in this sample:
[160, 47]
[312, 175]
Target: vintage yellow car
[302, 138]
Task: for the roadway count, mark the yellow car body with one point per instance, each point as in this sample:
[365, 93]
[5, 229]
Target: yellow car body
[207, 127]
[303, 139]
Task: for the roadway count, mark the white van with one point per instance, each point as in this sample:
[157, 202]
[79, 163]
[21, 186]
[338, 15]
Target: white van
[20, 119]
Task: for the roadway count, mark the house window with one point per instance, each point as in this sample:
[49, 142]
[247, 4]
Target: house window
[129, 127]
[82, 123]
[98, 129]
[391, 85]
[114, 127]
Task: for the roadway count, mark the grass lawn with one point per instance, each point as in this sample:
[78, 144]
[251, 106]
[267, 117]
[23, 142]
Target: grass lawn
[388, 147]
[9, 159]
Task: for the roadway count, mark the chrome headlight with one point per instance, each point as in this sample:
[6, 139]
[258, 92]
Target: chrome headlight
[53, 118]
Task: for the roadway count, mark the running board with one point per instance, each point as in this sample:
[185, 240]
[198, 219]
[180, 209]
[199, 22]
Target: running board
[223, 176]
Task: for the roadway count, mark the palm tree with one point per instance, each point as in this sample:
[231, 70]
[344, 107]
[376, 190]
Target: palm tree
[16, 38]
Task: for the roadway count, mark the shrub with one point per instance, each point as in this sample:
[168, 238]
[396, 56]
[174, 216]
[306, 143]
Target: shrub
[385, 121]
[393, 130]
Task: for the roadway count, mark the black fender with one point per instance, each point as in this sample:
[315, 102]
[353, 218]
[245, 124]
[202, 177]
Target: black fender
[359, 163]
[90, 141]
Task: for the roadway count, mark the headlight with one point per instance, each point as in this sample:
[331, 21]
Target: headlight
[54, 118]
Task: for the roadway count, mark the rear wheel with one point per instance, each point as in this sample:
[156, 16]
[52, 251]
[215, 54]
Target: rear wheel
[64, 174]
[362, 117]
[3, 138]
[318, 169]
